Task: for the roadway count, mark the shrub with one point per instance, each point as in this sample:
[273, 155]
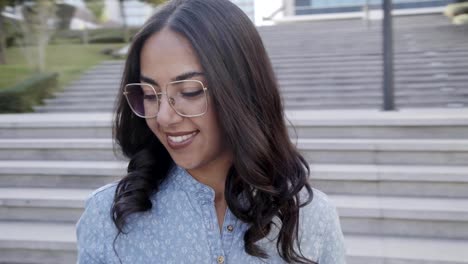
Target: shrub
[23, 96]
[460, 19]
[453, 10]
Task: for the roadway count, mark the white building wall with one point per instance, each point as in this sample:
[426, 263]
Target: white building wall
[247, 6]
[136, 12]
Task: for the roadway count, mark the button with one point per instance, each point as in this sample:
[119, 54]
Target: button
[220, 259]
[230, 228]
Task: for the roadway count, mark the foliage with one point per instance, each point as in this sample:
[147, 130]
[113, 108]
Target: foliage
[461, 19]
[96, 7]
[69, 61]
[99, 35]
[37, 31]
[453, 10]
[154, 2]
[23, 96]
[64, 15]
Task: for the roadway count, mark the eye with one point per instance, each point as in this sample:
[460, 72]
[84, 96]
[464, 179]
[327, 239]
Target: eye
[149, 97]
[192, 94]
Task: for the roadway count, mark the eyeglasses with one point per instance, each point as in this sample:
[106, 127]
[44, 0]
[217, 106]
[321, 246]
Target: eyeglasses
[188, 98]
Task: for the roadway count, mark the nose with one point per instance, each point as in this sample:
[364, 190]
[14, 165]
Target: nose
[167, 116]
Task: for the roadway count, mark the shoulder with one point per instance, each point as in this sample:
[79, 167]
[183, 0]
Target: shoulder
[103, 196]
[320, 208]
[98, 205]
[95, 227]
[320, 231]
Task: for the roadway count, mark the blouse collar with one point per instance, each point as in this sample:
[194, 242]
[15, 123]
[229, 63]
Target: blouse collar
[189, 184]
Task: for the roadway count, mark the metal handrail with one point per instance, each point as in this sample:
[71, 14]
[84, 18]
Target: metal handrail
[270, 17]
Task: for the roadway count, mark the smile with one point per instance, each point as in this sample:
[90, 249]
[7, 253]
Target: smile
[180, 139]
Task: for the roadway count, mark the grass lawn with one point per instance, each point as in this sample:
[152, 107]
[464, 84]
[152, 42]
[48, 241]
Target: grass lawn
[69, 60]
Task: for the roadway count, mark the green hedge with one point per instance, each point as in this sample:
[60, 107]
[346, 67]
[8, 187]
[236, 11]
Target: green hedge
[100, 35]
[23, 96]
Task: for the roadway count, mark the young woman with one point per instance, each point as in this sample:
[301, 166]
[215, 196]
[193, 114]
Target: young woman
[213, 176]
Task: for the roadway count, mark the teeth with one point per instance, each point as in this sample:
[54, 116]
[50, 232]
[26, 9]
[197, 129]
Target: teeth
[181, 138]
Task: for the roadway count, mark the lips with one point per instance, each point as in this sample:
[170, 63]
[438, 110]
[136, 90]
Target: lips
[181, 139]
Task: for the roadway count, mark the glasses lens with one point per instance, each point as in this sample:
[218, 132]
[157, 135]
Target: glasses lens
[142, 99]
[188, 98]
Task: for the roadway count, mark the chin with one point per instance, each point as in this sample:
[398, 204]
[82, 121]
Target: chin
[187, 164]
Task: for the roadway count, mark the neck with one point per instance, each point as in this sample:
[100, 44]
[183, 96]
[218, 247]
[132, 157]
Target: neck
[213, 175]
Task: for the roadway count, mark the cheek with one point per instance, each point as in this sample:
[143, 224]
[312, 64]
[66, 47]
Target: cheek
[213, 129]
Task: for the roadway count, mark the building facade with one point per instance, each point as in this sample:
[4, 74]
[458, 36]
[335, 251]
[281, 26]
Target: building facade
[307, 7]
[248, 6]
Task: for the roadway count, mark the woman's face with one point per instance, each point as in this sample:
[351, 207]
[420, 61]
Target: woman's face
[194, 143]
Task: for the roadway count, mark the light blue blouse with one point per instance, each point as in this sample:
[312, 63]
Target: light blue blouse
[182, 227]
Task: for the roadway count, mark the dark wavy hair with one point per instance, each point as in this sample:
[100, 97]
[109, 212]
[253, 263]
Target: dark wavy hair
[267, 170]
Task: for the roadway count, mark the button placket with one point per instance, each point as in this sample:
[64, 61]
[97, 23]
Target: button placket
[204, 199]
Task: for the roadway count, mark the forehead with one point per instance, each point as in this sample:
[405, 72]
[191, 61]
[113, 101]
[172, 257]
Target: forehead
[167, 54]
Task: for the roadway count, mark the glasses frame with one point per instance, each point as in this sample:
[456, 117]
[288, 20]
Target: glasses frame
[159, 96]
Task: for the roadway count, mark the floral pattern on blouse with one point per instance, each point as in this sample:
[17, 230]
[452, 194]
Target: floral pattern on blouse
[182, 227]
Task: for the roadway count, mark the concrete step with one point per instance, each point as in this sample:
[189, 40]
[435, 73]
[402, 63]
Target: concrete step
[42, 204]
[360, 60]
[410, 123]
[348, 151]
[373, 124]
[371, 65]
[437, 152]
[352, 100]
[371, 80]
[59, 174]
[293, 93]
[403, 216]
[97, 82]
[365, 215]
[58, 149]
[40, 125]
[342, 74]
[312, 99]
[412, 94]
[305, 87]
[284, 49]
[37, 243]
[83, 102]
[72, 109]
[389, 249]
[327, 77]
[376, 104]
[399, 88]
[391, 180]
[400, 70]
[454, 102]
[435, 53]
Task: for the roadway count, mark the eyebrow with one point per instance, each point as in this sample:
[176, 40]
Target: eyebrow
[183, 76]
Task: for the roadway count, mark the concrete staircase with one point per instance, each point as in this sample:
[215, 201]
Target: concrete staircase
[399, 179]
[332, 65]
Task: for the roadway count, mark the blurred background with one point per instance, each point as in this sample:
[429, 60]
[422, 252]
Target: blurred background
[387, 139]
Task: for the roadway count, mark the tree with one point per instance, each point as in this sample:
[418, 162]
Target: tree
[124, 20]
[37, 30]
[154, 2]
[3, 5]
